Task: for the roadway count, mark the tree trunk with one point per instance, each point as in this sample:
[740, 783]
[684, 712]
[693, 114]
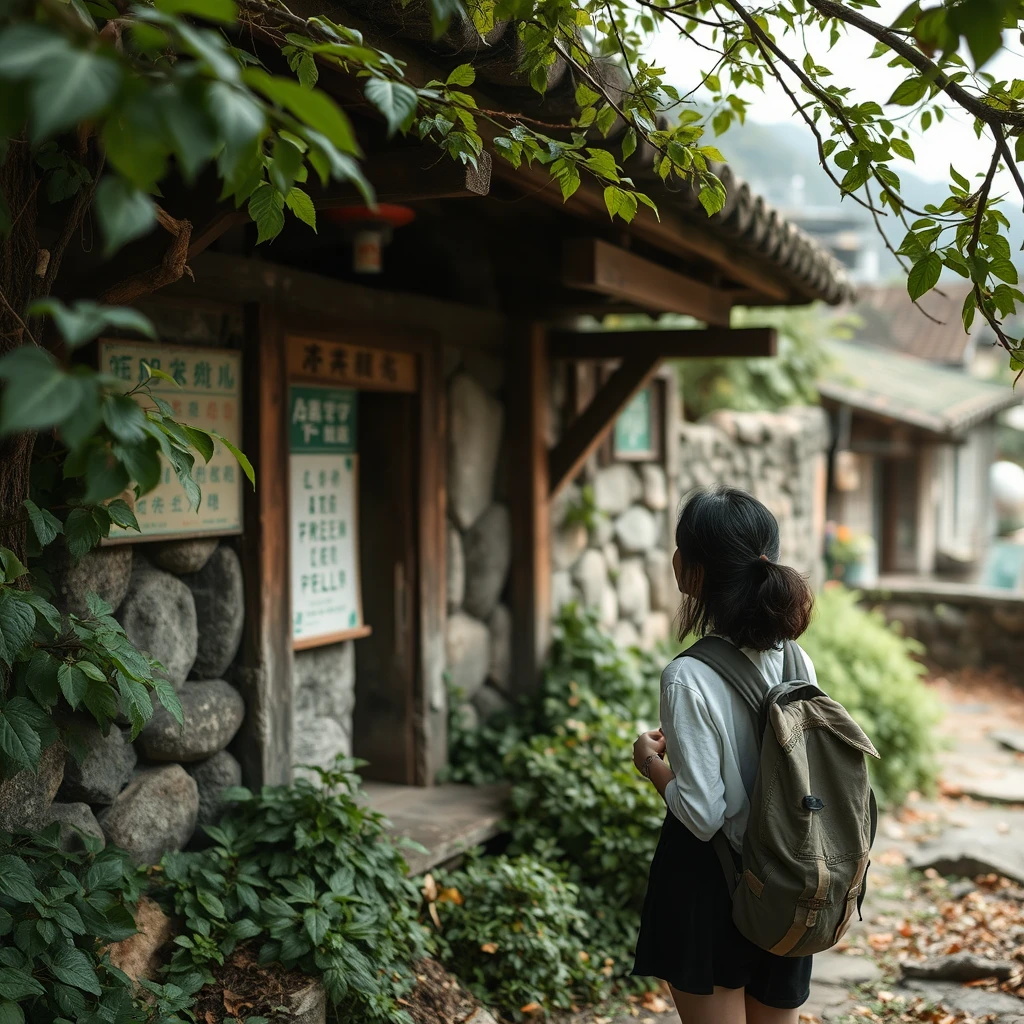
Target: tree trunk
[19, 257]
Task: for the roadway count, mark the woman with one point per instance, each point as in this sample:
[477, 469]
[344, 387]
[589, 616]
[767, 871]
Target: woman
[727, 547]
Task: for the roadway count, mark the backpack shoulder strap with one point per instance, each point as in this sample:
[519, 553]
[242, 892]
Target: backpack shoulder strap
[734, 667]
[793, 667]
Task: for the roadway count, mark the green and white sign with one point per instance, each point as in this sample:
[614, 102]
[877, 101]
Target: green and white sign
[634, 429]
[324, 502]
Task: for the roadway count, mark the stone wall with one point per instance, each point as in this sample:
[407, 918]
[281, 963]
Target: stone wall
[324, 680]
[613, 530]
[478, 640]
[610, 550]
[183, 603]
[961, 625]
[777, 457]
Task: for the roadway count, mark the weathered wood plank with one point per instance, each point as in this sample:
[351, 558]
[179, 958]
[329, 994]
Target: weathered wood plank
[264, 746]
[531, 561]
[593, 265]
[448, 820]
[221, 276]
[710, 343]
[594, 424]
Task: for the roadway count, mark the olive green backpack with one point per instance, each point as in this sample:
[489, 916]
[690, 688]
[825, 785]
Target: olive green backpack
[812, 812]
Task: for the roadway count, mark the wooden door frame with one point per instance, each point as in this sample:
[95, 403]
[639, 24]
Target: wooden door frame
[268, 615]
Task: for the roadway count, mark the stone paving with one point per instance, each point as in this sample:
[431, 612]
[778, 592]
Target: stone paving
[956, 833]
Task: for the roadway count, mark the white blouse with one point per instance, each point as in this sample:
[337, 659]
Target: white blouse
[710, 744]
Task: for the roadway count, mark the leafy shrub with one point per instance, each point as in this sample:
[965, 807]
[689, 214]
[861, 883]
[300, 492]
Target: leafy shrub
[57, 911]
[513, 933]
[585, 662]
[869, 667]
[310, 871]
[575, 791]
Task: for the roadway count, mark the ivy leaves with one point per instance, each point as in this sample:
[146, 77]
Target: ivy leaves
[56, 910]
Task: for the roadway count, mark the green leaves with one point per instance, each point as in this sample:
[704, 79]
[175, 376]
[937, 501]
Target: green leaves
[22, 724]
[16, 984]
[313, 108]
[223, 11]
[70, 88]
[395, 100]
[44, 523]
[266, 207]
[17, 620]
[39, 392]
[124, 212]
[910, 92]
[72, 966]
[464, 76]
[85, 320]
[74, 684]
[924, 275]
[302, 206]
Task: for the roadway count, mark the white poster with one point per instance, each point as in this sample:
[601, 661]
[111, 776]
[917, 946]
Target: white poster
[324, 503]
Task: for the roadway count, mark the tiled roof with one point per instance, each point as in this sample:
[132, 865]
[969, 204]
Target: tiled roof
[891, 385]
[747, 221]
[890, 320]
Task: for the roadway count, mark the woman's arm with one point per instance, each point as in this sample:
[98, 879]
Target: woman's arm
[693, 790]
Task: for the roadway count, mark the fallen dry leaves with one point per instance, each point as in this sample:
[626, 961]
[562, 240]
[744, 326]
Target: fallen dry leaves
[987, 922]
[919, 1011]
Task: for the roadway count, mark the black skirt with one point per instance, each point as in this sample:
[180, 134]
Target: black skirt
[687, 936]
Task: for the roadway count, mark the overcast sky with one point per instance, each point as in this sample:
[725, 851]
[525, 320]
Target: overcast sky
[850, 63]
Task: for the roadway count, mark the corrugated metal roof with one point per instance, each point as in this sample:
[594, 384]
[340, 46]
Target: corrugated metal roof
[891, 385]
[890, 320]
[747, 221]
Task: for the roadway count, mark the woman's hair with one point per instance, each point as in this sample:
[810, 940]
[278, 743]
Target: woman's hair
[729, 545]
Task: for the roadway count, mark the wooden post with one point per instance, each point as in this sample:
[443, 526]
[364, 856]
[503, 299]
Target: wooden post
[431, 713]
[531, 554]
[265, 673]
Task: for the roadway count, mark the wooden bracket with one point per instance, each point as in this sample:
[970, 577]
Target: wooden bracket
[592, 426]
[592, 265]
[711, 343]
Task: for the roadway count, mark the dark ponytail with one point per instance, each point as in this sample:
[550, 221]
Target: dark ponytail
[729, 545]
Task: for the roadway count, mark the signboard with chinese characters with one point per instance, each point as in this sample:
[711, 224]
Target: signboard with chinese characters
[634, 436]
[340, 364]
[209, 397]
[324, 502]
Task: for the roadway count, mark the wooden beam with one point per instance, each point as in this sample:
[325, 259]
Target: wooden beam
[590, 429]
[530, 507]
[240, 279]
[264, 677]
[592, 265]
[712, 343]
[408, 176]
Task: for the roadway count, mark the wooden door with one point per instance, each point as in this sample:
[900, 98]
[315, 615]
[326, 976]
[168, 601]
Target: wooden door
[386, 661]
[900, 499]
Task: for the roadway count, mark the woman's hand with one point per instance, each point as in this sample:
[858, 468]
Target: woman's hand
[648, 743]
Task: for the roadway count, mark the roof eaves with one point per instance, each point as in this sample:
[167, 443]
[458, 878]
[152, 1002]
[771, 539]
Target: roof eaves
[746, 220]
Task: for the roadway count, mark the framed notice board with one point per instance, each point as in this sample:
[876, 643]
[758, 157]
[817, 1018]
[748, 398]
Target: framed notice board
[323, 460]
[208, 395]
[637, 436]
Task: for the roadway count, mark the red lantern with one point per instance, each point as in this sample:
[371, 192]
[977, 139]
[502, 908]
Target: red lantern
[370, 230]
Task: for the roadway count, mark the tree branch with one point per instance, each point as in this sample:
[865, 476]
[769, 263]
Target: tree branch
[981, 110]
[172, 267]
